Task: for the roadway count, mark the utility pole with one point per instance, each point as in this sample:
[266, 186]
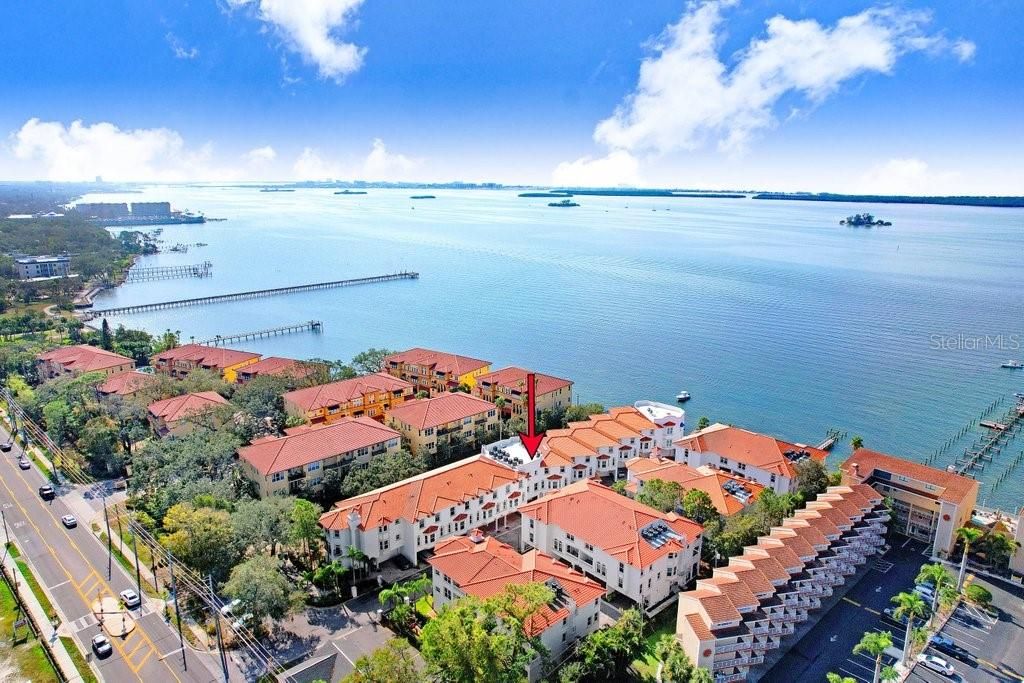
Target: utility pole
[216, 620]
[177, 612]
[110, 549]
[135, 551]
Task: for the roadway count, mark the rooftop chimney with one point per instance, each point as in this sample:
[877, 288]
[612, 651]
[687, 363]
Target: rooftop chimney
[856, 469]
[476, 536]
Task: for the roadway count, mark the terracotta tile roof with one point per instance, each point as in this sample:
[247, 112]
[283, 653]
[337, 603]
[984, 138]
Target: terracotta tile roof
[952, 487]
[302, 447]
[868, 492]
[719, 607]
[278, 367]
[425, 494]
[612, 428]
[632, 418]
[753, 577]
[770, 567]
[187, 405]
[515, 378]
[340, 393]
[785, 555]
[593, 512]
[84, 358]
[848, 508]
[209, 357]
[819, 522]
[125, 383]
[700, 629]
[834, 515]
[797, 544]
[646, 469]
[439, 410]
[484, 569]
[737, 591]
[438, 361]
[756, 450]
[810, 534]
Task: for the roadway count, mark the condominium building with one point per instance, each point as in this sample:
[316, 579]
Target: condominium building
[181, 360]
[928, 504]
[78, 360]
[413, 515]
[369, 395]
[31, 267]
[430, 424]
[635, 550]
[482, 566]
[125, 384]
[733, 620]
[299, 460]
[435, 371]
[760, 458]
[180, 415]
[509, 384]
[275, 366]
[729, 494]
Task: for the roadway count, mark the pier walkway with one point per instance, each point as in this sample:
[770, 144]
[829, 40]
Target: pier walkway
[204, 269]
[254, 294]
[984, 449]
[309, 325]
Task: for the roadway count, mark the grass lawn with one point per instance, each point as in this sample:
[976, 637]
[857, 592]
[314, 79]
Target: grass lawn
[30, 579]
[76, 656]
[425, 607]
[646, 665]
[25, 654]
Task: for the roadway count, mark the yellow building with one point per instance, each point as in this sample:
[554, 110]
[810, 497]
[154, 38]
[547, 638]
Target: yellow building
[429, 423]
[435, 371]
[369, 395]
[181, 360]
[551, 393]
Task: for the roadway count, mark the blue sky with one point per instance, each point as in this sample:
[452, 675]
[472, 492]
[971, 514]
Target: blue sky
[917, 97]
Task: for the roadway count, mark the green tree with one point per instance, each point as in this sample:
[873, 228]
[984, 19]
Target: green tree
[166, 341]
[394, 662]
[581, 411]
[357, 558]
[201, 537]
[261, 588]
[673, 664]
[701, 675]
[703, 423]
[698, 506]
[607, 653]
[889, 673]
[998, 549]
[857, 442]
[99, 443]
[978, 594]
[811, 478]
[968, 535]
[136, 344]
[331, 576]
[260, 406]
[660, 494]
[262, 524]
[619, 486]
[836, 678]
[106, 341]
[370, 360]
[911, 606]
[305, 528]
[874, 644]
[382, 470]
[937, 575]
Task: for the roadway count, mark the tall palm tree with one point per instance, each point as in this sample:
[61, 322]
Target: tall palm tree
[874, 644]
[911, 606]
[421, 585]
[355, 555]
[889, 673]
[499, 403]
[939, 577]
[968, 535]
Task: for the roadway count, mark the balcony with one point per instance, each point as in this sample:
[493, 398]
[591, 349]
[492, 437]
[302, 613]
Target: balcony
[738, 661]
[733, 647]
[731, 678]
[293, 476]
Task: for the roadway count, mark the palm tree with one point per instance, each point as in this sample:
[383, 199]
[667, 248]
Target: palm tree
[911, 606]
[355, 555]
[875, 644]
[968, 535]
[677, 670]
[939, 577]
[999, 548]
[889, 673]
[836, 678]
[857, 442]
[499, 404]
[393, 595]
[421, 585]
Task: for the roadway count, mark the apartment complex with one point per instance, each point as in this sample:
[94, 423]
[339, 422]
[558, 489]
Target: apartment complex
[599, 446]
[482, 566]
[125, 384]
[760, 458]
[928, 504]
[299, 460]
[415, 514]
[78, 360]
[731, 621]
[180, 415]
[509, 384]
[729, 494]
[430, 424]
[632, 549]
[181, 360]
[370, 395]
[275, 366]
[31, 267]
[435, 371]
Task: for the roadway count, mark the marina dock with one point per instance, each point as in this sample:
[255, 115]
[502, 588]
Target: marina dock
[985, 449]
[204, 269]
[253, 294]
[308, 326]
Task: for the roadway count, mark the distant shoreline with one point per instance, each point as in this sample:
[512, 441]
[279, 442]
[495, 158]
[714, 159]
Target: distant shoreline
[998, 202]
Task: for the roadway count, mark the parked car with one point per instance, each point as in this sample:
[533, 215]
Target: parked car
[6, 446]
[130, 598]
[69, 521]
[228, 609]
[402, 563]
[46, 492]
[101, 645]
[241, 621]
[937, 664]
[947, 647]
[24, 464]
[926, 593]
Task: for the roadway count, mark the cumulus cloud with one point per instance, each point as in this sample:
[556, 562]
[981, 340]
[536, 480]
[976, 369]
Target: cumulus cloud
[312, 28]
[964, 50]
[261, 155]
[618, 168]
[80, 152]
[179, 49]
[909, 176]
[380, 164]
[312, 166]
[687, 95]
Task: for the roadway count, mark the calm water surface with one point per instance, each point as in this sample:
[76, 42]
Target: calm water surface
[770, 314]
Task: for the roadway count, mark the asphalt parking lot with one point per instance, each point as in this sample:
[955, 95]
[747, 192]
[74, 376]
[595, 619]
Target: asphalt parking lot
[829, 645]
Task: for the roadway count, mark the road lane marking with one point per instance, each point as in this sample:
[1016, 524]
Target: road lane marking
[58, 585]
[851, 601]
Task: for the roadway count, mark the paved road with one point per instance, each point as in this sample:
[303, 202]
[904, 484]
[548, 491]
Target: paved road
[72, 564]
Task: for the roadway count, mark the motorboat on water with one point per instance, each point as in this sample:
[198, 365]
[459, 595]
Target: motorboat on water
[683, 396]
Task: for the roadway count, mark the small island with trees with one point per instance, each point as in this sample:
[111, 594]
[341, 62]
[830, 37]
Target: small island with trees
[863, 220]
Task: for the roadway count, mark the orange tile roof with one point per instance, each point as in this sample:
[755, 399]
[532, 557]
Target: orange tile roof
[954, 488]
[186, 405]
[753, 577]
[425, 494]
[440, 361]
[302, 447]
[340, 393]
[515, 378]
[646, 469]
[484, 569]
[868, 492]
[797, 544]
[209, 357]
[84, 358]
[785, 556]
[848, 508]
[718, 607]
[278, 367]
[835, 516]
[770, 567]
[632, 418]
[810, 534]
[737, 591]
[125, 383]
[440, 410]
[612, 522]
[756, 450]
[822, 524]
[700, 629]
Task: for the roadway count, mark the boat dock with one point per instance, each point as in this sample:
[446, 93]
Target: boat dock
[986, 448]
[831, 437]
[204, 269]
[254, 294]
[308, 326]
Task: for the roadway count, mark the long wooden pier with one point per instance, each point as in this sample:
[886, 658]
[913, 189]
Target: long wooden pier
[308, 326]
[983, 450]
[203, 269]
[254, 294]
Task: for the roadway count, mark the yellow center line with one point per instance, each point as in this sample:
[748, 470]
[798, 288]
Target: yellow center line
[851, 601]
[142, 662]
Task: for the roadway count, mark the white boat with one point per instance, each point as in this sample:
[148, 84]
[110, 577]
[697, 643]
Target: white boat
[683, 396]
[1013, 364]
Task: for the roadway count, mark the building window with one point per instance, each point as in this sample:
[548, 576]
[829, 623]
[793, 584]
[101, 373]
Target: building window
[312, 467]
[277, 476]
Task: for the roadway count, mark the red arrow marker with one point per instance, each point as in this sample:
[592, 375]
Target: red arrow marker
[531, 439]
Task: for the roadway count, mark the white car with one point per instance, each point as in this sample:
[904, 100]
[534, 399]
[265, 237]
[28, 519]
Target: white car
[101, 645]
[925, 592]
[69, 521]
[242, 621]
[936, 664]
[130, 598]
[228, 609]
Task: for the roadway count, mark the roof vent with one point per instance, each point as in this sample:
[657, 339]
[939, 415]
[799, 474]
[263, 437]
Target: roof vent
[477, 536]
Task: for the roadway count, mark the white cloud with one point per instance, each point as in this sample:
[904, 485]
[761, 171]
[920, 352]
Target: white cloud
[618, 168]
[964, 50]
[688, 96]
[179, 49]
[380, 164]
[909, 176]
[311, 28]
[261, 155]
[311, 166]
